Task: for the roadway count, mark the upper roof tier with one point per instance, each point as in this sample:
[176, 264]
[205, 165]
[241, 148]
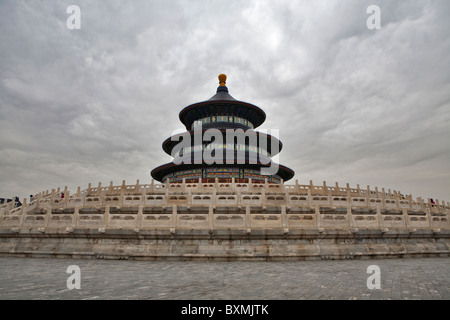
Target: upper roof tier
[222, 104]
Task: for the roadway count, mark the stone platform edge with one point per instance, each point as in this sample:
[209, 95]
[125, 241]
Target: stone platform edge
[224, 245]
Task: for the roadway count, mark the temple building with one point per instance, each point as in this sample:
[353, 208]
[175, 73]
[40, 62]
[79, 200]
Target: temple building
[246, 155]
[224, 197]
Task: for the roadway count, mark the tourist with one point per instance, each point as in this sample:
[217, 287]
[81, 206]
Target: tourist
[17, 202]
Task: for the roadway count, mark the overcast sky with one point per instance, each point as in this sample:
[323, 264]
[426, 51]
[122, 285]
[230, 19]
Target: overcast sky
[353, 105]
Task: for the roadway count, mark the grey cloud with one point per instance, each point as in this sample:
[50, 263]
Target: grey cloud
[352, 105]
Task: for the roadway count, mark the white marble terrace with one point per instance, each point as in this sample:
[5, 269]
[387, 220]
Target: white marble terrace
[217, 205]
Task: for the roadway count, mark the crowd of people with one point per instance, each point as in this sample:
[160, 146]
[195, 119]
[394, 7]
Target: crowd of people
[17, 202]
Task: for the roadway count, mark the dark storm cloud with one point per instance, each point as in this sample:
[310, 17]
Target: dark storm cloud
[352, 104]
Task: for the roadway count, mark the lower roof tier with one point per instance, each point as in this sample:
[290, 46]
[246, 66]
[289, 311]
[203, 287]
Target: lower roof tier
[176, 173]
[225, 174]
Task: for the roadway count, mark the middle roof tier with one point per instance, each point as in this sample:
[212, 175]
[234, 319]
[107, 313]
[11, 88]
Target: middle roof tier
[236, 139]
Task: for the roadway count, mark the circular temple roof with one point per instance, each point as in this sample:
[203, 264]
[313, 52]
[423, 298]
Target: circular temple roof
[222, 103]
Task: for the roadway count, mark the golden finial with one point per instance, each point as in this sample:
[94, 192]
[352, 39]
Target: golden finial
[222, 80]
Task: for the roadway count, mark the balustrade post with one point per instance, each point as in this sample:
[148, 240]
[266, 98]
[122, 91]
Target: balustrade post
[406, 217]
[140, 217]
[211, 217]
[24, 203]
[248, 222]
[368, 194]
[174, 219]
[189, 196]
[214, 198]
[23, 212]
[397, 199]
[349, 196]
[309, 198]
[47, 217]
[427, 211]
[318, 217]
[122, 197]
[143, 196]
[76, 216]
[379, 218]
[284, 223]
[419, 203]
[263, 197]
[138, 186]
[107, 217]
[2, 213]
[66, 198]
[351, 222]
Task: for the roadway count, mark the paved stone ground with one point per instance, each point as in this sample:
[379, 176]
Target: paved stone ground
[31, 278]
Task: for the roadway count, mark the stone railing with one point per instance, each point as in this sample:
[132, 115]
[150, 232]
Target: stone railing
[212, 206]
